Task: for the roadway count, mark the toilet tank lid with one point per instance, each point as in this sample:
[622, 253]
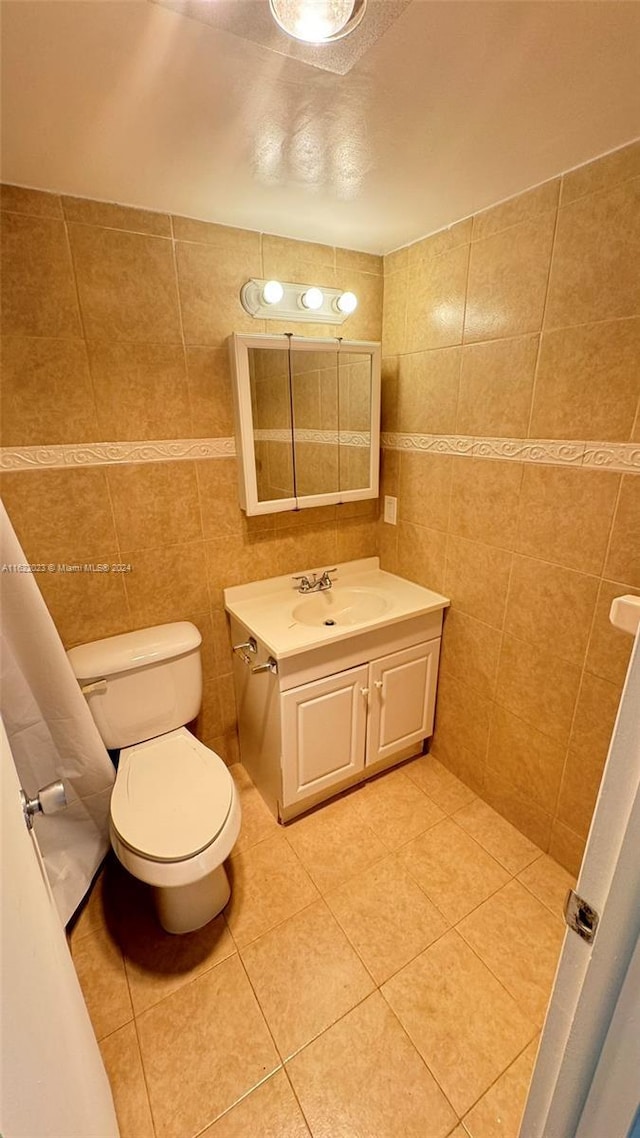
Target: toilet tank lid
[133, 650]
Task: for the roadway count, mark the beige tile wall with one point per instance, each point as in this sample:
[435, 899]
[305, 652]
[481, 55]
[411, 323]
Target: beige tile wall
[523, 321]
[113, 328]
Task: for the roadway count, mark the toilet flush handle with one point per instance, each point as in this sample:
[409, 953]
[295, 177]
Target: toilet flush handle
[242, 649]
[95, 685]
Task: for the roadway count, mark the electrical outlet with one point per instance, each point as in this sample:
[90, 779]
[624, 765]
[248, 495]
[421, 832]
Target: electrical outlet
[390, 509]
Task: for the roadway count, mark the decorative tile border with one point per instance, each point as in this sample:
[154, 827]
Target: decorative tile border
[554, 452]
[613, 456]
[31, 458]
[306, 435]
[435, 444]
[531, 450]
[109, 454]
[623, 457]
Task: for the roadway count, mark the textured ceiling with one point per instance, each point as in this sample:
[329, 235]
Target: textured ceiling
[455, 106]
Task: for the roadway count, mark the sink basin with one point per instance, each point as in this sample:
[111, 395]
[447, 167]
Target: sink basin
[340, 606]
[363, 599]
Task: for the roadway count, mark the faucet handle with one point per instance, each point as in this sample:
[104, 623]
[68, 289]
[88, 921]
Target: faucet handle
[325, 581]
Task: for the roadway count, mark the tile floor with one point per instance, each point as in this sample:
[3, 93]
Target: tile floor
[381, 971]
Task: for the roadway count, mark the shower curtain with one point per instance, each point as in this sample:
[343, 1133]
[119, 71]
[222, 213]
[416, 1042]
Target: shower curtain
[51, 731]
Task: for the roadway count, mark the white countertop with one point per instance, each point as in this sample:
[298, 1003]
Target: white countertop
[266, 607]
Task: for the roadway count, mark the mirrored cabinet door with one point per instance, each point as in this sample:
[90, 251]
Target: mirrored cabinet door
[272, 423]
[307, 415]
[314, 397]
[354, 411]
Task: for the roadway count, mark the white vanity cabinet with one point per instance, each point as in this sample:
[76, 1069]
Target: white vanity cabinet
[334, 728]
[324, 734]
[329, 717]
[401, 700]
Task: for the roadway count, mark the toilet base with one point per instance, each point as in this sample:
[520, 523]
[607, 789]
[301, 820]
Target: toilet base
[184, 908]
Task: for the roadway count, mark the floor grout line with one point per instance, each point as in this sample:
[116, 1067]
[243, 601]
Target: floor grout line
[498, 1077]
[239, 1100]
[185, 984]
[554, 912]
[318, 1035]
[262, 1011]
[419, 1053]
[295, 1095]
[144, 1076]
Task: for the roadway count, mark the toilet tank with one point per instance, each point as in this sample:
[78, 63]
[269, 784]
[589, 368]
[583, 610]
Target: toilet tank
[141, 684]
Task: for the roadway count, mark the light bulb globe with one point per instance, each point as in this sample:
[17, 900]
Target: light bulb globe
[347, 303]
[272, 292]
[313, 298]
[316, 21]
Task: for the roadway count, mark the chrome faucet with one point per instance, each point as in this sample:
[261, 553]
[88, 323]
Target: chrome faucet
[317, 584]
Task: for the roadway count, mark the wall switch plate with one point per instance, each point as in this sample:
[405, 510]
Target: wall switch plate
[390, 509]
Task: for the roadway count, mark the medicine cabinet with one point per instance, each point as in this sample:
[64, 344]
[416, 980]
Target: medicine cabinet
[307, 420]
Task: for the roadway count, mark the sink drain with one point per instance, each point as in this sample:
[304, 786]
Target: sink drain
[329, 622]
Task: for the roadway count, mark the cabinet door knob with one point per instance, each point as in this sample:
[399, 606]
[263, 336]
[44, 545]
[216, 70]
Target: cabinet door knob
[379, 683]
[365, 691]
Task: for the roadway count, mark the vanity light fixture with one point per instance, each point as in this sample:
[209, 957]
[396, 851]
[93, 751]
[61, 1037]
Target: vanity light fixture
[279, 300]
[317, 21]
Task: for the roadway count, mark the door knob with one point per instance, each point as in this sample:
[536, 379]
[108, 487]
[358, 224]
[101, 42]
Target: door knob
[48, 800]
[379, 683]
[365, 691]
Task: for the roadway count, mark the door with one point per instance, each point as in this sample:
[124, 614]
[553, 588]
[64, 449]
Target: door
[324, 726]
[402, 702]
[582, 1049]
[53, 1081]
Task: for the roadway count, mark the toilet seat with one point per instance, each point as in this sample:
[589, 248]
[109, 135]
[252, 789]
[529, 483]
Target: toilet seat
[171, 799]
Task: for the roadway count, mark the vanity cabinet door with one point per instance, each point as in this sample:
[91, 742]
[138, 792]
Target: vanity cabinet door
[402, 701]
[324, 727]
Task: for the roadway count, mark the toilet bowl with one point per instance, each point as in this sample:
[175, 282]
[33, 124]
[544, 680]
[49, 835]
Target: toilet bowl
[175, 811]
[174, 819]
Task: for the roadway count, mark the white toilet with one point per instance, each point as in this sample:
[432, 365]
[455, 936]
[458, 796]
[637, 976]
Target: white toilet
[175, 811]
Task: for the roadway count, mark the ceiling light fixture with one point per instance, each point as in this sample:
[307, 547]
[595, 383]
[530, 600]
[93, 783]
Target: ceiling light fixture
[317, 21]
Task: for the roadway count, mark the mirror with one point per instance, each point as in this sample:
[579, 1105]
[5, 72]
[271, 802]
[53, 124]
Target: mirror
[307, 421]
[272, 423]
[314, 396]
